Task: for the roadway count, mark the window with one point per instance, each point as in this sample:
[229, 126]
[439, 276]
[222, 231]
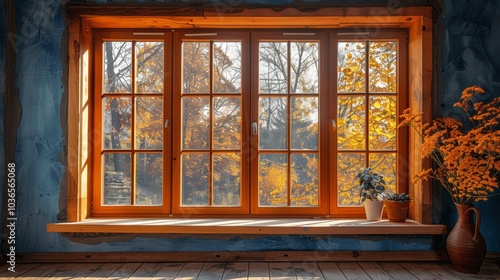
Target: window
[210, 104]
[306, 151]
[370, 92]
[130, 92]
[249, 120]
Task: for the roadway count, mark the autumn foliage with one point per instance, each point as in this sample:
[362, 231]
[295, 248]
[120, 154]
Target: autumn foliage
[466, 162]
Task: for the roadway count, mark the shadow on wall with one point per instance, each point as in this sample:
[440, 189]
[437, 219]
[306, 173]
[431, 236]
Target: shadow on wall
[471, 57]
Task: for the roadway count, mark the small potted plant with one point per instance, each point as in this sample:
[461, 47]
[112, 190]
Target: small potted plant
[371, 187]
[396, 205]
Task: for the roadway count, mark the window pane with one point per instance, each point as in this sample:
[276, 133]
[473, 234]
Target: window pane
[351, 67]
[196, 67]
[148, 172]
[195, 123]
[304, 180]
[349, 165]
[117, 121]
[149, 123]
[117, 67]
[305, 67]
[226, 179]
[385, 163]
[116, 179]
[149, 59]
[273, 123]
[194, 185]
[273, 180]
[382, 122]
[273, 67]
[305, 123]
[382, 75]
[227, 67]
[227, 123]
[351, 123]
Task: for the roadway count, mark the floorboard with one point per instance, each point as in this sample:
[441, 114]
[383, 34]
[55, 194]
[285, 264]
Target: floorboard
[189, 271]
[258, 271]
[146, 271]
[168, 271]
[281, 271]
[397, 271]
[331, 270]
[307, 270]
[439, 271]
[416, 269]
[212, 271]
[296, 270]
[40, 271]
[236, 271]
[352, 270]
[374, 270]
[104, 271]
[124, 271]
[19, 270]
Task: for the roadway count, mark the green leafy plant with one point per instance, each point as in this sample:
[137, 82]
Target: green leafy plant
[401, 197]
[371, 184]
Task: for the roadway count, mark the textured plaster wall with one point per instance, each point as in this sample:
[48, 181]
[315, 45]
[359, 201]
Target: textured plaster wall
[3, 37]
[40, 68]
[471, 56]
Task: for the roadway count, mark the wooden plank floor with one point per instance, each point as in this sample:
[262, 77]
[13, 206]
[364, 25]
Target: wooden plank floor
[248, 270]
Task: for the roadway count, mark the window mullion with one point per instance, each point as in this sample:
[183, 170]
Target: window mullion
[133, 174]
[367, 103]
[289, 124]
[211, 122]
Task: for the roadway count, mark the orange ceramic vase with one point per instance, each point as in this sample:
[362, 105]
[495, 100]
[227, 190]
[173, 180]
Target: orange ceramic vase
[465, 244]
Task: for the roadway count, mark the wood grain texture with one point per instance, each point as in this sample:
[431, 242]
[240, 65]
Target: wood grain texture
[374, 270]
[289, 256]
[258, 270]
[168, 271]
[253, 271]
[248, 226]
[236, 271]
[352, 270]
[208, 17]
[331, 270]
[397, 271]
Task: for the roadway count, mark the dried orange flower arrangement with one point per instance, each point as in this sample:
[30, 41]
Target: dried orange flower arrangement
[466, 163]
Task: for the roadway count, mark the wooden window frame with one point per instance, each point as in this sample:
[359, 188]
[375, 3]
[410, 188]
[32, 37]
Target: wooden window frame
[177, 209]
[105, 35]
[401, 94]
[418, 21]
[282, 36]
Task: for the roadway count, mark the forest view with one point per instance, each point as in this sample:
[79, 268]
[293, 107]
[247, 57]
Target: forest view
[211, 118]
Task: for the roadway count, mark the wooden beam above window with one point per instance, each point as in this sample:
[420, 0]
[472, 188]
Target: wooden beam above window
[239, 17]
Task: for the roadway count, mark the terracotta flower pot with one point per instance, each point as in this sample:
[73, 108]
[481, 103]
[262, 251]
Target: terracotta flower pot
[396, 210]
[465, 244]
[373, 209]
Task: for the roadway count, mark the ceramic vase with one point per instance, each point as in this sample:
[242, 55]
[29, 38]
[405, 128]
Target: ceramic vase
[465, 244]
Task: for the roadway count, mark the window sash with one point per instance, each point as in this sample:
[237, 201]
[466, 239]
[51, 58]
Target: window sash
[249, 188]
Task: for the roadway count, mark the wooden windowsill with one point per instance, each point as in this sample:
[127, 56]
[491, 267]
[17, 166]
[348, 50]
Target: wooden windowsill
[247, 226]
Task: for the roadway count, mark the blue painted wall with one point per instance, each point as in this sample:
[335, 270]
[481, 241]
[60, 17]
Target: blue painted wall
[471, 56]
[3, 40]
[40, 27]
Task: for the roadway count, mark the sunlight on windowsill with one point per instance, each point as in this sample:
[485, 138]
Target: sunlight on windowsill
[261, 226]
